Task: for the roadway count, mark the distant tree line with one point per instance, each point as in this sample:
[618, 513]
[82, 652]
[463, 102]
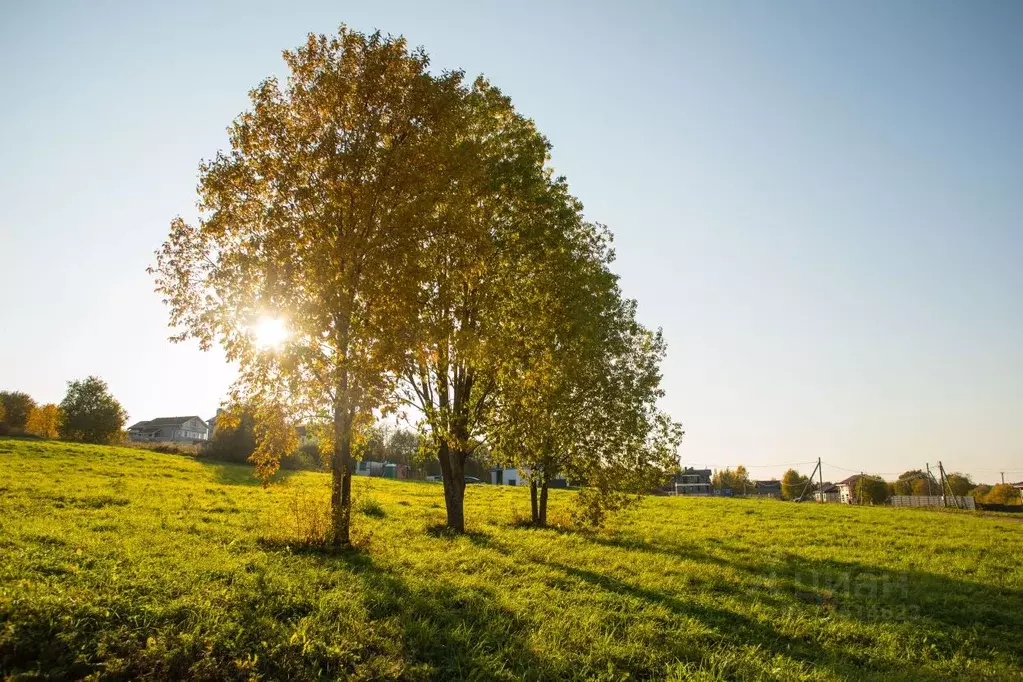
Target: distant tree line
[87, 414]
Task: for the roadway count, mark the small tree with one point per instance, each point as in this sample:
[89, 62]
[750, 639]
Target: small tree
[44, 421]
[960, 484]
[17, 407]
[792, 484]
[980, 492]
[579, 396]
[737, 481]
[871, 489]
[906, 483]
[924, 485]
[1003, 493]
[234, 438]
[91, 414]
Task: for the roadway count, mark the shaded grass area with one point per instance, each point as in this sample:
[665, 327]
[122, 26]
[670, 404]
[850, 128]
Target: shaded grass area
[121, 564]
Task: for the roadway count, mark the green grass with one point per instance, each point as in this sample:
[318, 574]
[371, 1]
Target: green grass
[122, 563]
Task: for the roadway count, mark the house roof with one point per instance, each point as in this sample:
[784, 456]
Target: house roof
[851, 480]
[768, 484]
[163, 421]
[827, 488]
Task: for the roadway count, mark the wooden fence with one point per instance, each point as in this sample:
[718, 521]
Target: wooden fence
[965, 502]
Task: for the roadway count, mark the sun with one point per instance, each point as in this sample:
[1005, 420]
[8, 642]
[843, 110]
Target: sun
[270, 332]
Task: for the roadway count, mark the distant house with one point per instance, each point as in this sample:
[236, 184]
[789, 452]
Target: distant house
[382, 469]
[511, 476]
[211, 423]
[364, 468]
[829, 492]
[693, 482]
[770, 489]
[847, 489]
[170, 429]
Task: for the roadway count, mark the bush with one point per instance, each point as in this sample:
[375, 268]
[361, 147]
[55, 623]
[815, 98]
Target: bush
[167, 448]
[304, 521]
[306, 458]
[370, 507]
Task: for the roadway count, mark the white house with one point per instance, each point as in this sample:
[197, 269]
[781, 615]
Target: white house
[170, 429]
[510, 476]
[364, 468]
[847, 489]
[507, 476]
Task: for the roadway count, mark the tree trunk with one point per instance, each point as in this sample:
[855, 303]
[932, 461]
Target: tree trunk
[452, 468]
[532, 498]
[341, 482]
[542, 521]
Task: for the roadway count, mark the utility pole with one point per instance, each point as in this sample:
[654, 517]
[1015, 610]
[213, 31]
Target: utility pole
[809, 481]
[1003, 477]
[820, 477]
[941, 470]
[929, 477]
[944, 484]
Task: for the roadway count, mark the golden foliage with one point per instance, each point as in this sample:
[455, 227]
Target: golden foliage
[44, 421]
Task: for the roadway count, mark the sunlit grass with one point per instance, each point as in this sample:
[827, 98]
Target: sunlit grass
[124, 563]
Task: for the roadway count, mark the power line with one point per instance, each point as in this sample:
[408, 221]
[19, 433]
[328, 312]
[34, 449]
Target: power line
[759, 466]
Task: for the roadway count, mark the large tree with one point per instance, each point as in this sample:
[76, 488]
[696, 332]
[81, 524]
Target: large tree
[90, 413]
[793, 484]
[316, 217]
[483, 238]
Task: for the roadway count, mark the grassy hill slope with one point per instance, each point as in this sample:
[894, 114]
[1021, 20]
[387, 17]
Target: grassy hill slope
[120, 563]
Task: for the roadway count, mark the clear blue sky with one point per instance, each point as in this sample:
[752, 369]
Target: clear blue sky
[820, 203]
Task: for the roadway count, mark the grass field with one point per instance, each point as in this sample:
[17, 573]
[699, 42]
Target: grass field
[119, 563]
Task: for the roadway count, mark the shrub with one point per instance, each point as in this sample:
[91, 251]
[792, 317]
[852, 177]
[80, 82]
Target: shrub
[166, 448]
[304, 521]
[306, 458]
[370, 507]
[234, 443]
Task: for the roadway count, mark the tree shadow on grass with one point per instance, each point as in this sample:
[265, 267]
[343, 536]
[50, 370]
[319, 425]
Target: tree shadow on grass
[441, 531]
[436, 628]
[950, 610]
[447, 631]
[240, 474]
[735, 629]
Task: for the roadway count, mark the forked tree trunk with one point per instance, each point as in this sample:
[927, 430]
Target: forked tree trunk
[341, 483]
[452, 468]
